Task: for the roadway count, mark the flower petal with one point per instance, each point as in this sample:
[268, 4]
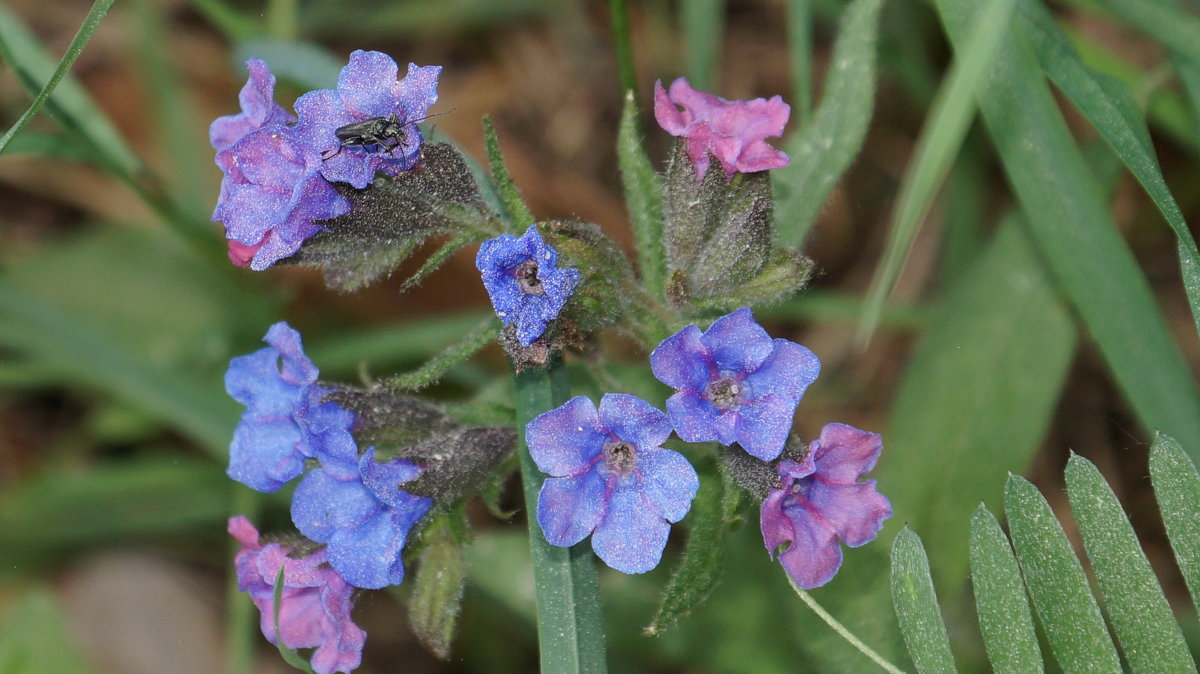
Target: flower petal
[813, 556]
[738, 344]
[569, 508]
[855, 511]
[634, 420]
[370, 555]
[763, 425]
[631, 536]
[564, 440]
[324, 505]
[682, 361]
[697, 420]
[844, 453]
[366, 84]
[668, 481]
[787, 372]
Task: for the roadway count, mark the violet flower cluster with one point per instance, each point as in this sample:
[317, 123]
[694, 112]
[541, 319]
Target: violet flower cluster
[611, 477]
[349, 502]
[279, 169]
[522, 279]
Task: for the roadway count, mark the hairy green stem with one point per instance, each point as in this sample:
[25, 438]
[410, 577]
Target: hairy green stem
[569, 619]
[842, 631]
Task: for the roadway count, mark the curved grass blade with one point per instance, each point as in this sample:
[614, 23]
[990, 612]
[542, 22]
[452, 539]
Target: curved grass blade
[644, 195]
[485, 333]
[289, 656]
[977, 397]
[1057, 583]
[822, 151]
[90, 23]
[1112, 111]
[941, 137]
[570, 623]
[66, 100]
[916, 606]
[1141, 617]
[1177, 487]
[1167, 23]
[799, 31]
[702, 22]
[1004, 616]
[1070, 222]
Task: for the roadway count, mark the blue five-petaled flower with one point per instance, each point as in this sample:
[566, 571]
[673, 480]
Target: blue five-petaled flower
[611, 478]
[734, 383]
[524, 282]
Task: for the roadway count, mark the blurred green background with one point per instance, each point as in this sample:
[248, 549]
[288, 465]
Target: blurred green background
[1000, 349]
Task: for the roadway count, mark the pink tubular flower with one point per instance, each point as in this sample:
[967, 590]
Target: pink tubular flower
[732, 131]
[314, 606]
[820, 500]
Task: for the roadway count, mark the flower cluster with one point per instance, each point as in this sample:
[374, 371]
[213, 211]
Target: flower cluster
[734, 132]
[279, 170]
[314, 605]
[611, 477]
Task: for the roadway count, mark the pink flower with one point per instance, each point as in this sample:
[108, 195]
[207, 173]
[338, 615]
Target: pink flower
[820, 500]
[732, 131]
[315, 604]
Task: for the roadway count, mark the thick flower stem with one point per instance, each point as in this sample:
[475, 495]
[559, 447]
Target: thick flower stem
[570, 622]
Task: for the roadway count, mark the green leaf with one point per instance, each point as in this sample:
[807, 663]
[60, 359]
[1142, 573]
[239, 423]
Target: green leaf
[570, 622]
[436, 600]
[1071, 225]
[643, 195]
[34, 638]
[1068, 612]
[515, 210]
[941, 136]
[916, 606]
[1112, 111]
[703, 559]
[977, 397]
[1004, 616]
[1140, 615]
[1177, 487]
[289, 656]
[822, 151]
[799, 41]
[90, 23]
[1163, 21]
[62, 96]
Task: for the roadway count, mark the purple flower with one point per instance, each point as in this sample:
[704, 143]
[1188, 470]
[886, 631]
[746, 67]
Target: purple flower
[525, 286]
[286, 421]
[272, 194]
[367, 89]
[611, 478]
[819, 500]
[734, 383]
[258, 109]
[356, 506]
[733, 131]
[314, 607]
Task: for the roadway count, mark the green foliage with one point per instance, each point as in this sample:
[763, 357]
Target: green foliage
[916, 606]
[1177, 485]
[481, 336]
[643, 196]
[34, 638]
[1004, 616]
[436, 600]
[516, 212]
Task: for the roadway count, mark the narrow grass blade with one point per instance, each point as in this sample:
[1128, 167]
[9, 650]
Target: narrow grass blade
[515, 210]
[644, 195]
[977, 397]
[618, 11]
[1112, 111]
[1057, 583]
[1177, 487]
[289, 656]
[1071, 224]
[823, 150]
[941, 136]
[799, 31]
[916, 606]
[570, 623]
[90, 23]
[703, 30]
[1141, 617]
[1163, 20]
[485, 333]
[1004, 617]
[64, 97]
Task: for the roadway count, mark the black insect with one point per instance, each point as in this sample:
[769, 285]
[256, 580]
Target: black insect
[386, 132]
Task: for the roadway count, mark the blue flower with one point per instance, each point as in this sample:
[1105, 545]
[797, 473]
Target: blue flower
[285, 422]
[271, 195]
[259, 109]
[367, 89]
[356, 507]
[523, 282]
[611, 479]
[819, 500]
[734, 383]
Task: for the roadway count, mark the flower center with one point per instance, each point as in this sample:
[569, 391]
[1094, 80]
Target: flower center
[723, 393]
[527, 278]
[619, 457]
